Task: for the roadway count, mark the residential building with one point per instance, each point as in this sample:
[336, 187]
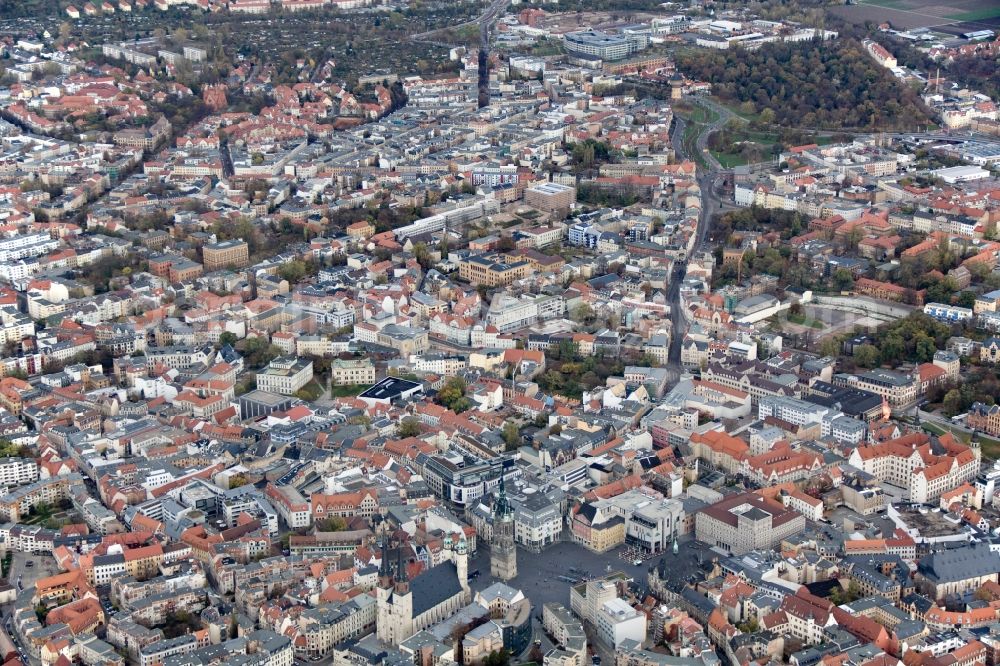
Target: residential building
[352, 372]
[550, 197]
[985, 418]
[226, 254]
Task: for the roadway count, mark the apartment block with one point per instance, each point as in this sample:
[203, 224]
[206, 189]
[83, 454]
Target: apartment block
[351, 372]
[490, 271]
[17, 471]
[227, 254]
[550, 197]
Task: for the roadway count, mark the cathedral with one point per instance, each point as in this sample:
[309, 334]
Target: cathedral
[407, 606]
[503, 552]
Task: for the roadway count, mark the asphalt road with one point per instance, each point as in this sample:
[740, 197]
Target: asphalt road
[8, 628]
[709, 182]
[483, 20]
[701, 143]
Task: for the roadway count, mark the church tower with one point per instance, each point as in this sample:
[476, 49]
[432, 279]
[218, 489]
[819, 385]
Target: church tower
[402, 602]
[402, 582]
[384, 621]
[503, 552]
[394, 621]
[461, 559]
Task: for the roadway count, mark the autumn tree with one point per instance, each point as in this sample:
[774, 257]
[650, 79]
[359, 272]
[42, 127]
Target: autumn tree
[511, 435]
[867, 356]
[332, 524]
[452, 395]
[293, 271]
[408, 427]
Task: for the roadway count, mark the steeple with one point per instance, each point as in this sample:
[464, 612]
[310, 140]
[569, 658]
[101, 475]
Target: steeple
[400, 566]
[501, 508]
[384, 574]
[402, 581]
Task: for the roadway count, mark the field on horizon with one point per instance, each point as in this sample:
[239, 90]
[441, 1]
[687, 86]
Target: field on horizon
[958, 15]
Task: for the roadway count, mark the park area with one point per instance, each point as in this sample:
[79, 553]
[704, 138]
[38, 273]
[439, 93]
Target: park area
[989, 446]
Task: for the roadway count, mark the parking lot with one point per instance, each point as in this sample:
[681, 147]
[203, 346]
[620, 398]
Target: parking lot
[25, 569]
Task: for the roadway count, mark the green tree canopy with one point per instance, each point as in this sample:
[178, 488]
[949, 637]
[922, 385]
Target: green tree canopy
[867, 356]
[293, 271]
[408, 427]
[452, 395]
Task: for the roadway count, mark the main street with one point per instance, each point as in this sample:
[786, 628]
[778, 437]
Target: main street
[709, 182]
[484, 21]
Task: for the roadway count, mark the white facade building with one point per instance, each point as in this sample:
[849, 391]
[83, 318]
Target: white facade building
[617, 621]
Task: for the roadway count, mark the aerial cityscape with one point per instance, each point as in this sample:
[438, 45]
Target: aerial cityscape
[499, 332]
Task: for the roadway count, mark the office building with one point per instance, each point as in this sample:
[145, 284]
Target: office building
[285, 375]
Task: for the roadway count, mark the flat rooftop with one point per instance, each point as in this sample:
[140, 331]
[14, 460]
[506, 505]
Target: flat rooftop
[389, 388]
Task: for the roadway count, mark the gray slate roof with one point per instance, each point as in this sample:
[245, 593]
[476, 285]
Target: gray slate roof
[959, 564]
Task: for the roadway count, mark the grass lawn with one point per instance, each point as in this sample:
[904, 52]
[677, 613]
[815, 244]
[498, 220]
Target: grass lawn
[766, 138]
[696, 117]
[347, 391]
[696, 113]
[691, 131]
[990, 447]
[729, 160]
[311, 391]
[40, 514]
[690, 142]
[744, 135]
[938, 429]
[802, 320]
[546, 50]
[735, 108]
[50, 518]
